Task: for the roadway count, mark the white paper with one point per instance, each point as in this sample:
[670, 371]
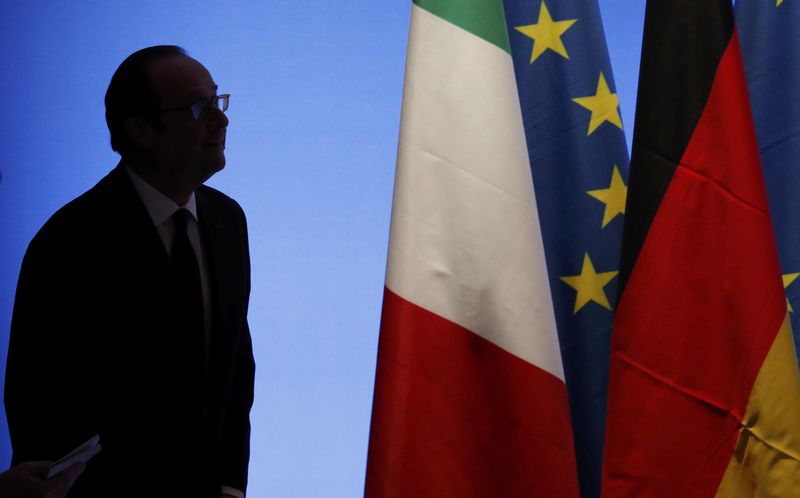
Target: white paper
[80, 454]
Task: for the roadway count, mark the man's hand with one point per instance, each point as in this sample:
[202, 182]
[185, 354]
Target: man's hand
[27, 480]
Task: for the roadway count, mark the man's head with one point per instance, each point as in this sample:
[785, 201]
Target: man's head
[149, 114]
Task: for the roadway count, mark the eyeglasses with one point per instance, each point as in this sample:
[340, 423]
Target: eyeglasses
[201, 108]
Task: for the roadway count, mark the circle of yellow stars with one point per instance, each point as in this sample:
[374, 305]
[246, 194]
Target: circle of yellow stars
[546, 35]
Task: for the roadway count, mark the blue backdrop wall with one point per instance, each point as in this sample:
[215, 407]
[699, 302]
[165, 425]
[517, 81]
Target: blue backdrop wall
[316, 94]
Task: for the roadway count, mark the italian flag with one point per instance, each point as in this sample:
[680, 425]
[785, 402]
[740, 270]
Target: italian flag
[470, 398]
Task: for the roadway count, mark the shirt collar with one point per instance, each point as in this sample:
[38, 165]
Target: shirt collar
[159, 206]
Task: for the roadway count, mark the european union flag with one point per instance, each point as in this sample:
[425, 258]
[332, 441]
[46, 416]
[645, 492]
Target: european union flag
[771, 50]
[579, 162]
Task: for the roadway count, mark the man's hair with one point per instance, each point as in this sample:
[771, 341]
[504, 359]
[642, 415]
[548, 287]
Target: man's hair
[131, 93]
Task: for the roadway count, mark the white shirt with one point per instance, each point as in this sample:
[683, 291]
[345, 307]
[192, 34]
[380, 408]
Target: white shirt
[161, 208]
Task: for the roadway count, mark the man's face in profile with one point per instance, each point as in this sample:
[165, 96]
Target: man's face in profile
[189, 149]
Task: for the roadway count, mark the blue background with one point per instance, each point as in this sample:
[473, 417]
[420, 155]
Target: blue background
[316, 95]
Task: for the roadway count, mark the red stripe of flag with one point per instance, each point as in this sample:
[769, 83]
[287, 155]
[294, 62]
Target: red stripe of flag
[700, 311]
[456, 416]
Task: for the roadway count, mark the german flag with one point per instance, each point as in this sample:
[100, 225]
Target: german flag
[704, 395]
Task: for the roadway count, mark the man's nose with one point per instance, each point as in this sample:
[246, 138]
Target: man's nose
[217, 118]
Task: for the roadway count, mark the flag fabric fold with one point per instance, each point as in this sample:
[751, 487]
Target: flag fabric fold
[703, 394]
[470, 399]
[579, 162]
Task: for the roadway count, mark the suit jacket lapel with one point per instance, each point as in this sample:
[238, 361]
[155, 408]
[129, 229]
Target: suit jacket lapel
[145, 252]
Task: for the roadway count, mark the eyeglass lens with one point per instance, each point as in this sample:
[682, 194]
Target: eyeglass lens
[200, 109]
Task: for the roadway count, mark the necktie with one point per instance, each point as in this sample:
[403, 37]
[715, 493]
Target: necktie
[187, 273]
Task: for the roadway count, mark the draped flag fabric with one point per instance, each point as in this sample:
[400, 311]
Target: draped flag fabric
[704, 396]
[579, 162]
[470, 399]
[771, 51]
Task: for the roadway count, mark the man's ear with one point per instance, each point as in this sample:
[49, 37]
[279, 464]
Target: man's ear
[142, 133]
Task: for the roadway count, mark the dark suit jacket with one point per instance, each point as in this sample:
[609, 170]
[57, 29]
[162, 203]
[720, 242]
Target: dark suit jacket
[97, 347]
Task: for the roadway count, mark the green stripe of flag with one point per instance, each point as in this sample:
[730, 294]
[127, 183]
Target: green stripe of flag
[482, 18]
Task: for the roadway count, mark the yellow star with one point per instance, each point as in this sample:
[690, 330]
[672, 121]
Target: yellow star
[546, 34]
[589, 285]
[778, 5]
[613, 197]
[604, 106]
[787, 281]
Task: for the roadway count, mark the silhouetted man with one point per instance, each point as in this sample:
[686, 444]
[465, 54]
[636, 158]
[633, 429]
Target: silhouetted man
[130, 318]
